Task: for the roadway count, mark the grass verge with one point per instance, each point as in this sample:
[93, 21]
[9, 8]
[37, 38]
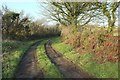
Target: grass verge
[49, 69]
[86, 62]
[12, 52]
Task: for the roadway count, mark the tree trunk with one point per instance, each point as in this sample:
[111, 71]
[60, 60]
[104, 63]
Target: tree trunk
[74, 24]
[111, 23]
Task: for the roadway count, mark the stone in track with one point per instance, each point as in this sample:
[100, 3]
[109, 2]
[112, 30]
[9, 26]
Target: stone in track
[27, 67]
[67, 68]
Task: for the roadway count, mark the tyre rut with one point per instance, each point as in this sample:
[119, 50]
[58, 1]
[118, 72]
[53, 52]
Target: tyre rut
[27, 68]
[67, 68]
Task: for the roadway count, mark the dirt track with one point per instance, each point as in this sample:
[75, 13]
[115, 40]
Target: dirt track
[67, 68]
[27, 67]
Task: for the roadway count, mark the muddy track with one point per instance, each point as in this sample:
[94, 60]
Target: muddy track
[67, 68]
[27, 68]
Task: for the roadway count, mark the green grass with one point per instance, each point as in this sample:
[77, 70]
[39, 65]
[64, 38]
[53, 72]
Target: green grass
[86, 62]
[14, 50]
[49, 69]
[12, 53]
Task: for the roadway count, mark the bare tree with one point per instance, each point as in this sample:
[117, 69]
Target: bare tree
[72, 13]
[109, 10]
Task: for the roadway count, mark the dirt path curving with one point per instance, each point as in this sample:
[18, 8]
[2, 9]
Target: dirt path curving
[27, 67]
[67, 68]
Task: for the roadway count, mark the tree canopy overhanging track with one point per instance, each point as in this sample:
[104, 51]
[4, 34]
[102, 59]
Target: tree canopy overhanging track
[67, 68]
[27, 67]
